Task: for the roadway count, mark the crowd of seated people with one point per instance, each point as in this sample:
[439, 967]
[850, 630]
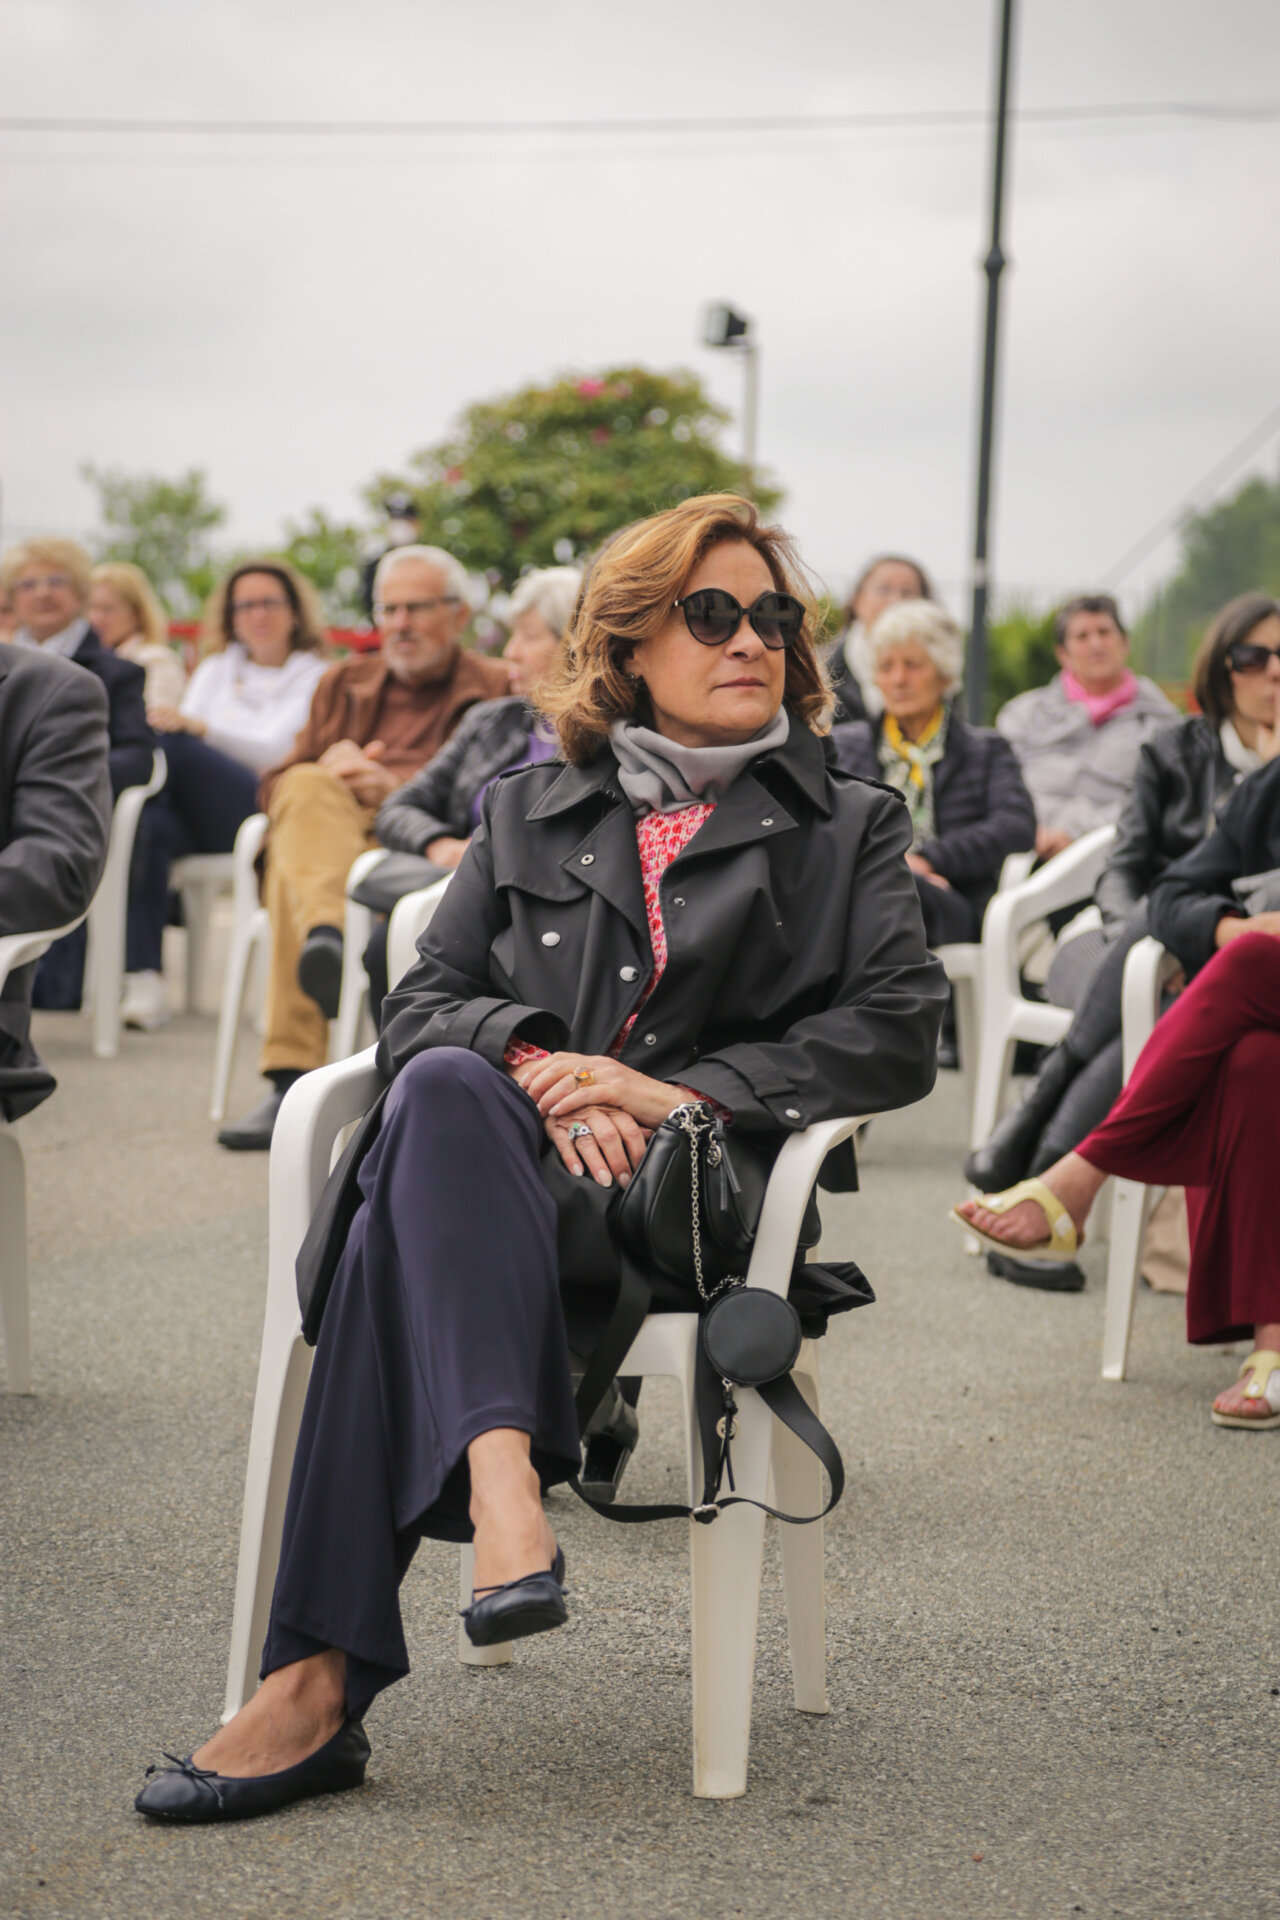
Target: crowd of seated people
[1185, 774]
[374, 721]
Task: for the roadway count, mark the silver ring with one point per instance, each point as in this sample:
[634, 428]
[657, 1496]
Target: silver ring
[580, 1131]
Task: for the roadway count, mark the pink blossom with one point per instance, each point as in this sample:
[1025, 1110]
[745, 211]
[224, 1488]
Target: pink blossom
[590, 389]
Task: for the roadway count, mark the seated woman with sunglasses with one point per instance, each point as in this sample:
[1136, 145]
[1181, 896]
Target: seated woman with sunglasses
[1185, 777]
[968, 805]
[1200, 1109]
[689, 904]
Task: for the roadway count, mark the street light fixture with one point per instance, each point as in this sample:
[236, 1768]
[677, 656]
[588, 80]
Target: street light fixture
[723, 326]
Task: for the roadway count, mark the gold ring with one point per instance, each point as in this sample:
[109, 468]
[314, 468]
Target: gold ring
[585, 1077]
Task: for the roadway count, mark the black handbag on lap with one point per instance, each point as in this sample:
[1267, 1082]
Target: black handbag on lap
[691, 1212]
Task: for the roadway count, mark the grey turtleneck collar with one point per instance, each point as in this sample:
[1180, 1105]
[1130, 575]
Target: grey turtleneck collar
[659, 775]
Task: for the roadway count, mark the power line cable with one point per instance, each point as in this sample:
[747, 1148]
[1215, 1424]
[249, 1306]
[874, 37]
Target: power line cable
[1252, 443]
[1243, 112]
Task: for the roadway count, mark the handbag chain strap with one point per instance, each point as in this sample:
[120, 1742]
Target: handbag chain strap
[693, 1121]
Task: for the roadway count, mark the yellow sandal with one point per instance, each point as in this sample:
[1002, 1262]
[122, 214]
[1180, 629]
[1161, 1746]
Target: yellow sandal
[1263, 1369]
[1063, 1242]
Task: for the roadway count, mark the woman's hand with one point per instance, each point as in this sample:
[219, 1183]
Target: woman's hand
[918, 864]
[1051, 840]
[446, 851]
[551, 1083]
[170, 720]
[610, 1152]
[1232, 925]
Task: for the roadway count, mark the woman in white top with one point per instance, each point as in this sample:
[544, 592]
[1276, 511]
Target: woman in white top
[126, 616]
[263, 649]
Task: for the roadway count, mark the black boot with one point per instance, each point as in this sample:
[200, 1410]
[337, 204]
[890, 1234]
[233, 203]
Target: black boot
[1006, 1156]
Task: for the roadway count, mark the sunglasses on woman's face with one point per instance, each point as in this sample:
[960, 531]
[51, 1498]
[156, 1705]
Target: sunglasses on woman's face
[1248, 657]
[714, 616]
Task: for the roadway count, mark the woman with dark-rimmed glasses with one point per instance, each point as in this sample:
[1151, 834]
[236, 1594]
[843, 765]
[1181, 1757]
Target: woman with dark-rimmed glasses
[689, 903]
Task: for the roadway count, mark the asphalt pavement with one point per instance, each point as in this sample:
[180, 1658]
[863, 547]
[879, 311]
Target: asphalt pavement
[1054, 1664]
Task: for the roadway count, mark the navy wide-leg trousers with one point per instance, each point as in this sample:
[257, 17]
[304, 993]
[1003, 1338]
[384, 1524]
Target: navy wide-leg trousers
[444, 1321]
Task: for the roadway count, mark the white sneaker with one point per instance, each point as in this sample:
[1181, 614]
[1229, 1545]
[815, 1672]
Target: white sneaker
[145, 1005]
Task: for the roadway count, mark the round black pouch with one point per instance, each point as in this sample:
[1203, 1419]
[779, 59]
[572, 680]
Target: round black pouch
[751, 1336]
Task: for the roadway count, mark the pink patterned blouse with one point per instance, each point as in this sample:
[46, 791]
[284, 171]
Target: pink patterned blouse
[659, 837]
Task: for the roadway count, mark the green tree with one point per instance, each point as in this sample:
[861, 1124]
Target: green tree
[545, 474]
[162, 526]
[329, 553]
[1019, 655]
[1226, 550]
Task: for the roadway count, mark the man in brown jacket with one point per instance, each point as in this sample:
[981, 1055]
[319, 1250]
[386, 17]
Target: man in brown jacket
[375, 720]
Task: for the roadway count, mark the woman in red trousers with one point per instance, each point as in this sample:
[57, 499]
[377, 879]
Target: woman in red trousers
[1201, 1110]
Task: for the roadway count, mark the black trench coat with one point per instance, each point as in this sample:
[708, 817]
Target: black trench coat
[798, 986]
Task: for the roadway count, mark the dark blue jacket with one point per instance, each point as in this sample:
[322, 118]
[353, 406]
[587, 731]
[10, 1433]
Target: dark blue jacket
[981, 809]
[130, 756]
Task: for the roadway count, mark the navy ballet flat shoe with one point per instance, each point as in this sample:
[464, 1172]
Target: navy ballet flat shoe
[532, 1604]
[196, 1796]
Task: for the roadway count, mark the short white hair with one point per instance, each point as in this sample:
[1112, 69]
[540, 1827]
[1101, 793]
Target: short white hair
[456, 581]
[930, 626]
[551, 593]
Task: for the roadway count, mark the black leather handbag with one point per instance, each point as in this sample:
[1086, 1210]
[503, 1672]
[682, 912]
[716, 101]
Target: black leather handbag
[691, 1212]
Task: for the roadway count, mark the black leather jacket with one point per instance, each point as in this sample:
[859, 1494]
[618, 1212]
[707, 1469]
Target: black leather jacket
[1196, 893]
[1181, 783]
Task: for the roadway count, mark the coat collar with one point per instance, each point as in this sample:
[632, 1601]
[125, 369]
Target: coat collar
[800, 757]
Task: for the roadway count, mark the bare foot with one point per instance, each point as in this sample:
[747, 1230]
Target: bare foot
[294, 1712]
[1071, 1180]
[512, 1536]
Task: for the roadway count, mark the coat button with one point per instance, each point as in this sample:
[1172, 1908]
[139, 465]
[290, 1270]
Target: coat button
[766, 823]
[588, 860]
[551, 939]
[677, 902]
[792, 1113]
[628, 973]
[651, 1039]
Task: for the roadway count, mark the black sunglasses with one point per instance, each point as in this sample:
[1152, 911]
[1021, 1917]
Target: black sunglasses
[1247, 656]
[714, 616]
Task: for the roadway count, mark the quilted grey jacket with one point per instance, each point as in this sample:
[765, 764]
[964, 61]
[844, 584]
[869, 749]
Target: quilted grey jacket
[1079, 775]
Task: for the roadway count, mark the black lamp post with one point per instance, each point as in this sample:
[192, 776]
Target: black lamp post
[993, 266]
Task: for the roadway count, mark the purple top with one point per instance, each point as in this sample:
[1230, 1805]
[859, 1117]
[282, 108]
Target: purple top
[536, 751]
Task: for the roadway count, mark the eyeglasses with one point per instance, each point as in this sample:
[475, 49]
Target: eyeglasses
[388, 609]
[1247, 656]
[714, 616]
[53, 581]
[258, 606]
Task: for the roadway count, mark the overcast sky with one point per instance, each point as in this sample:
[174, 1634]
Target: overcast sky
[294, 314]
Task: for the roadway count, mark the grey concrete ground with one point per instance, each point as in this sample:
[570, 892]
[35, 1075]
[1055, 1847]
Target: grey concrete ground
[1053, 1641]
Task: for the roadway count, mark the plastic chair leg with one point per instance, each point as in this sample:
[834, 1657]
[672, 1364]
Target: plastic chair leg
[197, 916]
[283, 1373]
[797, 1485]
[1130, 1209]
[495, 1656]
[104, 970]
[995, 1060]
[725, 1567]
[14, 1298]
[244, 940]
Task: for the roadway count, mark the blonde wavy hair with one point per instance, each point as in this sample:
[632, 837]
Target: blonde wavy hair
[134, 588]
[217, 628]
[627, 597]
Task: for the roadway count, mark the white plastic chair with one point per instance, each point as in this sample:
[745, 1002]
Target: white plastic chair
[357, 929]
[1006, 1015]
[17, 950]
[962, 960]
[109, 914]
[725, 1557]
[409, 920]
[200, 879]
[250, 935]
[1146, 971]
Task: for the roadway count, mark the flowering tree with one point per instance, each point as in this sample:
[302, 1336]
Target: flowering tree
[545, 474]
